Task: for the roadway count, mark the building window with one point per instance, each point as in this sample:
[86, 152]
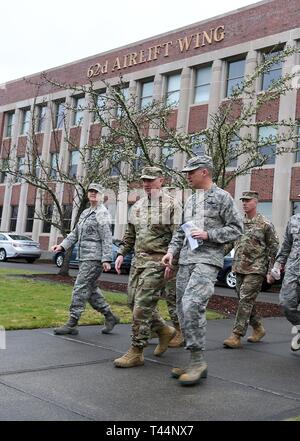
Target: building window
[20, 168]
[100, 105]
[125, 93]
[295, 207]
[275, 71]
[48, 210]
[168, 153]
[202, 85]
[67, 213]
[198, 144]
[73, 165]
[54, 164]
[233, 151]
[25, 121]
[59, 114]
[235, 76]
[265, 208]
[30, 218]
[79, 106]
[298, 145]
[267, 135]
[10, 120]
[173, 90]
[146, 94]
[41, 118]
[3, 174]
[138, 162]
[1, 211]
[13, 218]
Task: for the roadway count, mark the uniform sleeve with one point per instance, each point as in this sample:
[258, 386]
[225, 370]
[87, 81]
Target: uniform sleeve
[128, 240]
[228, 247]
[286, 246]
[233, 223]
[176, 242]
[106, 236]
[272, 243]
[71, 239]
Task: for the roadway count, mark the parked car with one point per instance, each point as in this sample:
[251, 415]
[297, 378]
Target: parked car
[58, 258]
[16, 246]
[226, 276]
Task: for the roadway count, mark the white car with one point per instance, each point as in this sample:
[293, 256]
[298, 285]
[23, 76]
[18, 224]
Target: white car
[15, 246]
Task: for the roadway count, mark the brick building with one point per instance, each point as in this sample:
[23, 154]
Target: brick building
[197, 65]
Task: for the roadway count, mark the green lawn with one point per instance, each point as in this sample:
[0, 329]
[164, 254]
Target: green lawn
[28, 304]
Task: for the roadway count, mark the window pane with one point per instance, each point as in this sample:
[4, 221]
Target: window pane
[274, 74]
[79, 109]
[173, 89]
[13, 218]
[60, 114]
[265, 208]
[48, 217]
[30, 218]
[42, 111]
[269, 149]
[25, 122]
[147, 89]
[168, 156]
[74, 159]
[10, 123]
[202, 94]
[202, 84]
[295, 207]
[298, 146]
[198, 145]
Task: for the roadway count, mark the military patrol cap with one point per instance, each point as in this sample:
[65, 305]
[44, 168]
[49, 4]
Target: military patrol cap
[97, 187]
[151, 173]
[249, 195]
[198, 162]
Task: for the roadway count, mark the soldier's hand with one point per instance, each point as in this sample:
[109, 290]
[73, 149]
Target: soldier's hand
[169, 273]
[270, 279]
[56, 248]
[118, 264]
[106, 266]
[199, 234]
[167, 260]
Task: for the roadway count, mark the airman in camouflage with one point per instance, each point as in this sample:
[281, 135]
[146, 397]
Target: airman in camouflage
[149, 231]
[93, 234]
[255, 253]
[289, 258]
[213, 221]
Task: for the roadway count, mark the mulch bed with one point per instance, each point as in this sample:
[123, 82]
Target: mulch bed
[222, 304]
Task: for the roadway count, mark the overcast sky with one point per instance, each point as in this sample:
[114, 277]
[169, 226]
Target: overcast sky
[38, 35]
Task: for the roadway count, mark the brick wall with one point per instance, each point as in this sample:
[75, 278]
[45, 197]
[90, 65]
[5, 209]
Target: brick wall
[268, 112]
[262, 182]
[197, 118]
[295, 184]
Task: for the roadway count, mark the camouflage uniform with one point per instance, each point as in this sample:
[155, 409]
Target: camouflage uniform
[255, 253]
[149, 231]
[94, 238]
[198, 269]
[169, 295]
[289, 256]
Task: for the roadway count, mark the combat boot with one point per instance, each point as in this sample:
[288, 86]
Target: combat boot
[234, 341]
[196, 370]
[295, 343]
[69, 328]
[177, 371]
[165, 335]
[111, 321]
[133, 357]
[176, 341]
[258, 333]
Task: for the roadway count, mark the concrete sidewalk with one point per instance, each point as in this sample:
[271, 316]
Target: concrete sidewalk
[47, 377]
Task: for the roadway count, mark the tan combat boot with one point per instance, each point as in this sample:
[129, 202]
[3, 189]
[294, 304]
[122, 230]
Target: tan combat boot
[258, 333]
[234, 341]
[177, 371]
[165, 335]
[176, 341]
[196, 370]
[133, 357]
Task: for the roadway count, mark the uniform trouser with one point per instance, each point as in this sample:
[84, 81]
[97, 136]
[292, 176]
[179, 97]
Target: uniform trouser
[290, 298]
[194, 287]
[87, 290]
[248, 286]
[144, 287]
[169, 295]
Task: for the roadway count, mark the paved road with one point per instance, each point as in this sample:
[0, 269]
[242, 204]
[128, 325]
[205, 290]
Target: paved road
[47, 377]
